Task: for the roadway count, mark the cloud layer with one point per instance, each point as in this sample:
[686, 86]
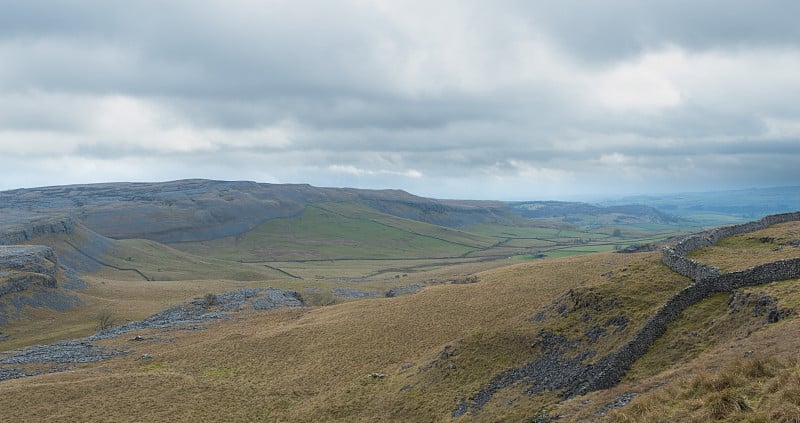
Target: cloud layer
[467, 99]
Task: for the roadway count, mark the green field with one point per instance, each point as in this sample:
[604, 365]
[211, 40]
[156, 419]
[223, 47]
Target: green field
[321, 234]
[337, 244]
[463, 237]
[346, 240]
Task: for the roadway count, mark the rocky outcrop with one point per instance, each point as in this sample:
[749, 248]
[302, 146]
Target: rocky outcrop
[32, 276]
[194, 313]
[191, 315]
[28, 258]
[16, 228]
[26, 265]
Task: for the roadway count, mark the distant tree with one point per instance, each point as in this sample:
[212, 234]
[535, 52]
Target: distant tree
[104, 319]
[210, 300]
[617, 233]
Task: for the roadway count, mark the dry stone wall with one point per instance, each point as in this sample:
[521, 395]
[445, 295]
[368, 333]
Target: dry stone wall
[688, 267]
[675, 257]
[571, 377]
[609, 370]
[765, 273]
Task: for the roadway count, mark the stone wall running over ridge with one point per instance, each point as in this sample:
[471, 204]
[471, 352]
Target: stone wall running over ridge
[609, 370]
[675, 257]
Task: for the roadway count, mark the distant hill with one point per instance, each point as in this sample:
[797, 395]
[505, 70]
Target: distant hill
[416, 309]
[194, 210]
[747, 203]
[197, 209]
[584, 213]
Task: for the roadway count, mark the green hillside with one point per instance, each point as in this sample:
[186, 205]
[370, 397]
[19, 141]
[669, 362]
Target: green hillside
[489, 320]
[352, 232]
[321, 234]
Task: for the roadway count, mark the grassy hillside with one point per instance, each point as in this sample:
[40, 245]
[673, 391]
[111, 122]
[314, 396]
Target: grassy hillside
[716, 363]
[491, 296]
[312, 364]
[451, 235]
[347, 252]
[319, 233]
[194, 210]
[137, 259]
[721, 360]
[740, 252]
[350, 240]
[135, 278]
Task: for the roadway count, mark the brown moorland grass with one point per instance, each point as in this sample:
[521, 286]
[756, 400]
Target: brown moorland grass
[756, 380]
[715, 363]
[740, 252]
[129, 297]
[314, 364]
[126, 300]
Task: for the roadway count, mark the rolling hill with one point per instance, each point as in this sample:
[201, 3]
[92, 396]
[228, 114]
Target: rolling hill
[403, 309]
[192, 210]
[416, 358]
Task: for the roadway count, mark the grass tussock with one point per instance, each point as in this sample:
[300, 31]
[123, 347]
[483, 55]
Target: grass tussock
[751, 390]
[719, 361]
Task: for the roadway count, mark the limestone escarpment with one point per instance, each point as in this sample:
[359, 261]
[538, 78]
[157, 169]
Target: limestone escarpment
[16, 228]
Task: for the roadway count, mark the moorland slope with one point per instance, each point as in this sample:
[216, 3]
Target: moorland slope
[420, 357]
[341, 243]
[594, 336]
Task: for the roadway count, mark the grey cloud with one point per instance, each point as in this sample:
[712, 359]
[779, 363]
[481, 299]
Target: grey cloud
[214, 49]
[623, 28]
[228, 67]
[343, 113]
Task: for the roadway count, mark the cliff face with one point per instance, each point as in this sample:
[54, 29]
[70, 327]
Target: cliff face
[23, 266]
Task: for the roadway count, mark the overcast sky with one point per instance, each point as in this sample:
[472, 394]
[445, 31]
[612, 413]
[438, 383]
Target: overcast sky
[450, 99]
